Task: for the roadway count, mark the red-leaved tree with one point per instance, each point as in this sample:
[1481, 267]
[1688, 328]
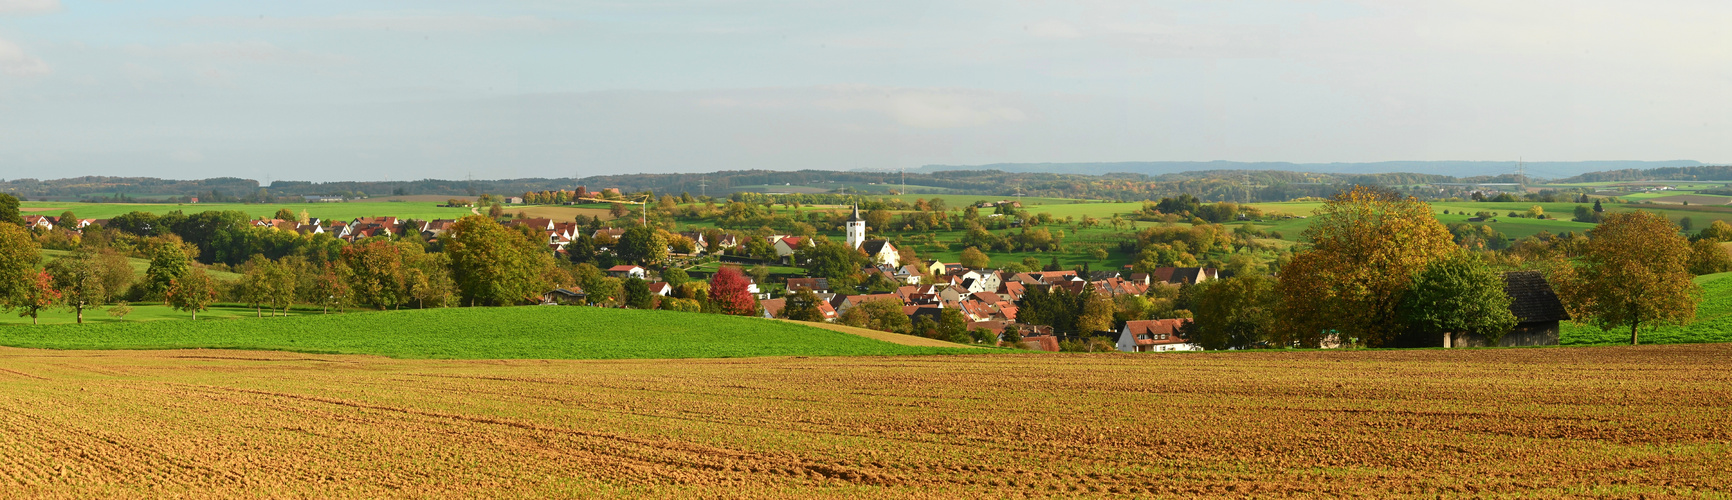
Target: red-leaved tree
[728, 291]
[39, 294]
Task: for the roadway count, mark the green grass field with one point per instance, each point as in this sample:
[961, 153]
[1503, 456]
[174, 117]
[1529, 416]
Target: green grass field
[138, 265]
[1713, 321]
[140, 313]
[337, 211]
[530, 332]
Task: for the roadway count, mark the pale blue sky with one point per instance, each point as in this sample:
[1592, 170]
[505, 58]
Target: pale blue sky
[359, 89]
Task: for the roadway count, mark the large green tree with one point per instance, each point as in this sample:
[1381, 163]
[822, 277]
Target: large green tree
[1232, 313]
[1459, 294]
[642, 245]
[169, 259]
[495, 266]
[1635, 273]
[78, 278]
[802, 306]
[19, 255]
[1708, 256]
[376, 273]
[835, 261]
[9, 210]
[1366, 245]
[637, 293]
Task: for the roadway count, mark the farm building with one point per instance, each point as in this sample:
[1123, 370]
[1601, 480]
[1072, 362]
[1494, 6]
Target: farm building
[1536, 307]
[562, 296]
[1537, 310]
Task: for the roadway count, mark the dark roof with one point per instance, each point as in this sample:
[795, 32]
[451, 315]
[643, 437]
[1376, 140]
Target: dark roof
[1532, 298]
[1102, 275]
[872, 247]
[813, 284]
[855, 217]
[1183, 275]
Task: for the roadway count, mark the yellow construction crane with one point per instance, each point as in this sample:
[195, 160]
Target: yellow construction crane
[641, 199]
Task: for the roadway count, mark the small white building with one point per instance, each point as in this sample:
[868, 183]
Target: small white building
[626, 271]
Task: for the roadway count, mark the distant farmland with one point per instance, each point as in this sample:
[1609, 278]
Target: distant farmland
[1692, 199]
[1598, 421]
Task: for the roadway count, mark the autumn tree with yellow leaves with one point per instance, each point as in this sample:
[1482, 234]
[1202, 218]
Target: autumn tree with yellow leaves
[1367, 243]
[1635, 273]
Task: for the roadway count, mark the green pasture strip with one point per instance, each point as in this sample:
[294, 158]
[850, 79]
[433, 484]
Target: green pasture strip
[528, 332]
[334, 211]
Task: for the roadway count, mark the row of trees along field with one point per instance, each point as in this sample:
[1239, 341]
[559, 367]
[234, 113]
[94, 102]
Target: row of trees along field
[1381, 267]
[477, 262]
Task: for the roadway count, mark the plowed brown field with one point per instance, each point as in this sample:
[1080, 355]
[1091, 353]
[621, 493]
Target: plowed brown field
[1623, 421]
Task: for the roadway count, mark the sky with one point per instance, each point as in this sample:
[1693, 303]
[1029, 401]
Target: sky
[393, 90]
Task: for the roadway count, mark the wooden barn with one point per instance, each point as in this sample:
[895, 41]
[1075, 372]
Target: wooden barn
[1537, 310]
[1536, 307]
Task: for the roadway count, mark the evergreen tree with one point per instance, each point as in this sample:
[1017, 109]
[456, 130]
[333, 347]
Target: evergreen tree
[637, 293]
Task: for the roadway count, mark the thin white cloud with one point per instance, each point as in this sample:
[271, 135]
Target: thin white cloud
[14, 7]
[927, 108]
[1053, 28]
[248, 51]
[14, 62]
[385, 22]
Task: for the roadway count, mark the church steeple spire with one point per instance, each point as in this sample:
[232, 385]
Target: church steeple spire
[856, 227]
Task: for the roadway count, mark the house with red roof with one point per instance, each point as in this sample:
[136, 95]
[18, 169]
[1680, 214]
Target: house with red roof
[786, 246]
[42, 222]
[1154, 335]
[626, 271]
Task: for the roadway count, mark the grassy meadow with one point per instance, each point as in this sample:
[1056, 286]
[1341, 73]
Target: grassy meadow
[528, 332]
[141, 312]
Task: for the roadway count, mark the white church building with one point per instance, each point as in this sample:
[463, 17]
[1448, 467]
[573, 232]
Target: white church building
[881, 252]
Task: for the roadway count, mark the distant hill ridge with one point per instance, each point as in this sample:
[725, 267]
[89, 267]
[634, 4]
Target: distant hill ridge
[1047, 179]
[1538, 169]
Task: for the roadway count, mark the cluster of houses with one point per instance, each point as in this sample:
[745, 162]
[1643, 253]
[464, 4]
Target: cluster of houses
[45, 223]
[363, 227]
[987, 299]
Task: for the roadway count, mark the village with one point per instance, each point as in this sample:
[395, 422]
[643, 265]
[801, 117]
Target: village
[928, 296]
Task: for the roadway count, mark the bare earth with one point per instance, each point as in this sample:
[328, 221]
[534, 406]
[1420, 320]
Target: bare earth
[894, 338]
[562, 214]
[1693, 199]
[1621, 422]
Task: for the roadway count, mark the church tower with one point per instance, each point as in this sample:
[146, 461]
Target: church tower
[856, 229]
